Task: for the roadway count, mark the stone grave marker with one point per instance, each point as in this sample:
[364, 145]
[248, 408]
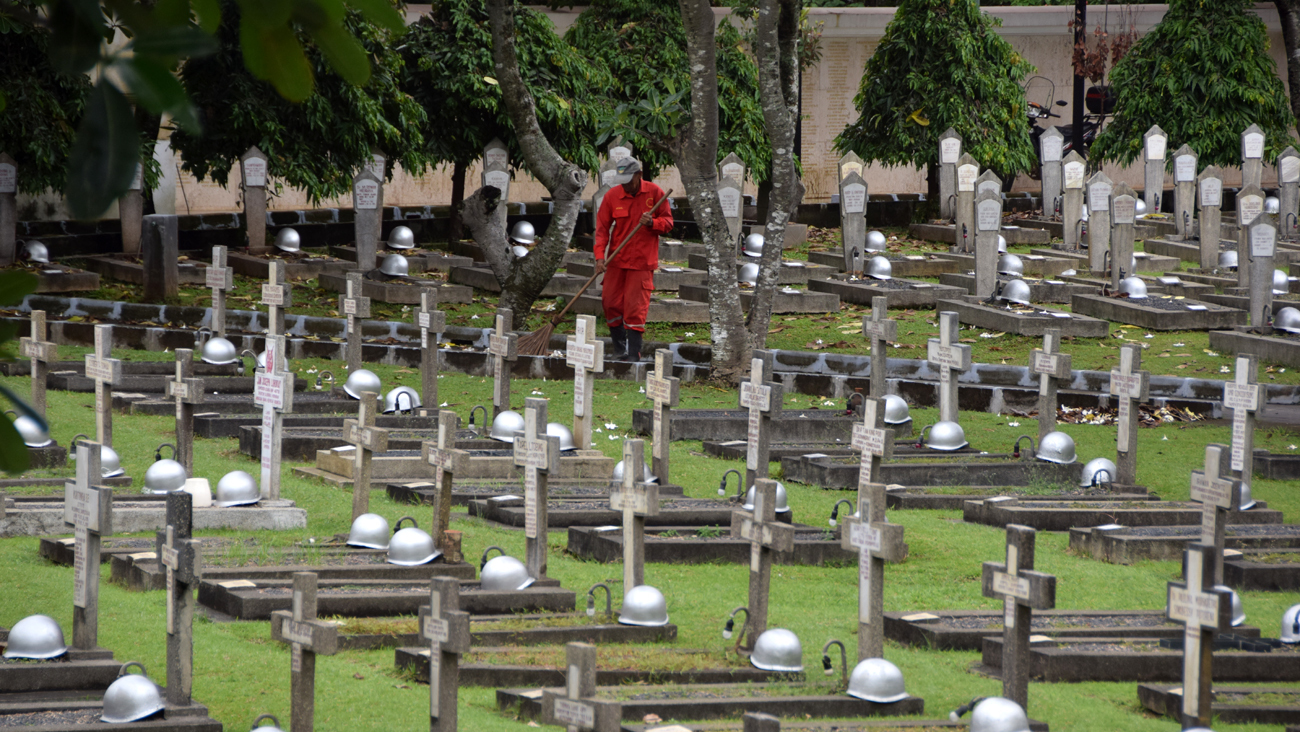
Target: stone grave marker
[503, 347]
[276, 296]
[366, 439]
[853, 221]
[759, 722]
[988, 222]
[635, 499]
[538, 454]
[872, 440]
[1204, 611]
[1250, 206]
[160, 253]
[731, 200]
[947, 354]
[1072, 173]
[967, 172]
[1184, 190]
[130, 209]
[1123, 217]
[1155, 145]
[448, 460]
[41, 353]
[178, 551]
[446, 627]
[1209, 186]
[881, 331]
[1128, 383]
[585, 353]
[765, 535]
[88, 508]
[1022, 590]
[1252, 156]
[273, 392]
[430, 320]
[662, 388]
[877, 542]
[732, 167]
[106, 371]
[577, 708]
[220, 278]
[368, 217]
[763, 398]
[1050, 147]
[949, 153]
[1288, 195]
[496, 173]
[1217, 495]
[8, 210]
[187, 391]
[1245, 397]
[307, 637]
[1099, 192]
[354, 306]
[988, 181]
[1263, 247]
[252, 167]
[1052, 367]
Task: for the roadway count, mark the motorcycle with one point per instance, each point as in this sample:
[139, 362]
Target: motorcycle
[1099, 102]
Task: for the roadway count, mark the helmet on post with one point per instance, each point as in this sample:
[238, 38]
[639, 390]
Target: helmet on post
[1290, 625]
[896, 410]
[218, 351]
[1140, 207]
[287, 240]
[37, 252]
[754, 245]
[1238, 612]
[504, 574]
[1097, 471]
[748, 274]
[36, 636]
[1228, 258]
[523, 232]
[877, 680]
[33, 434]
[506, 425]
[237, 488]
[110, 465]
[1288, 319]
[274, 726]
[1247, 501]
[360, 381]
[946, 436]
[1016, 291]
[782, 499]
[1272, 205]
[555, 429]
[401, 237]
[778, 650]
[1281, 282]
[395, 265]
[1134, 287]
[1010, 264]
[131, 697]
[402, 399]
[165, 475]
[1057, 447]
[370, 531]
[997, 714]
[644, 605]
[646, 475]
[880, 268]
[411, 546]
[876, 241]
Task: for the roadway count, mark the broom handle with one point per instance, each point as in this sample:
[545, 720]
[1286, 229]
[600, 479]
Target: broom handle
[560, 316]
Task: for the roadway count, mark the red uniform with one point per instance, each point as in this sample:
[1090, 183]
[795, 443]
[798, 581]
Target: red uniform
[629, 277]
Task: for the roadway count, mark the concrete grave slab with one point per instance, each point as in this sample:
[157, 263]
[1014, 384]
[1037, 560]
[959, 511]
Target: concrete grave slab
[662, 309]
[335, 465]
[1063, 515]
[482, 278]
[793, 425]
[303, 267]
[815, 725]
[792, 271]
[1026, 321]
[128, 268]
[947, 233]
[56, 278]
[1159, 313]
[1278, 346]
[813, 545]
[1231, 705]
[34, 518]
[1119, 659]
[909, 265]
[901, 293]
[528, 629]
[1266, 570]
[1124, 545]
[563, 513]
[400, 290]
[1040, 290]
[962, 471]
[1276, 467]
[785, 300]
[667, 278]
[1035, 265]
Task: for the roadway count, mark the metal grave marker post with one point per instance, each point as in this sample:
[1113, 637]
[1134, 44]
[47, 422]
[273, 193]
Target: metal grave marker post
[1245, 397]
[88, 508]
[1052, 367]
[1250, 206]
[448, 460]
[1209, 185]
[1288, 195]
[765, 535]
[1263, 247]
[1022, 591]
[178, 551]
[539, 455]
[366, 440]
[947, 354]
[307, 637]
[988, 222]
[1217, 495]
[273, 392]
[635, 499]
[1128, 383]
[877, 542]
[446, 628]
[1155, 144]
[1184, 190]
[503, 346]
[252, 166]
[874, 443]
[276, 296]
[220, 278]
[106, 371]
[1050, 144]
[1099, 192]
[430, 320]
[1072, 173]
[187, 391]
[881, 331]
[763, 398]
[1123, 218]
[585, 353]
[1203, 611]
[576, 708]
[8, 210]
[661, 387]
[368, 217]
[949, 153]
[354, 306]
[41, 353]
[964, 235]
[1252, 156]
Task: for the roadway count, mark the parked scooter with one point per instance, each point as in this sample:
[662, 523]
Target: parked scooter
[1098, 101]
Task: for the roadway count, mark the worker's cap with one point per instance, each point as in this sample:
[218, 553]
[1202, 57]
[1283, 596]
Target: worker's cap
[623, 171]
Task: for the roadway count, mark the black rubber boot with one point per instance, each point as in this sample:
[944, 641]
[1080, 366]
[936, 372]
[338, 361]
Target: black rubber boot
[634, 345]
[618, 335]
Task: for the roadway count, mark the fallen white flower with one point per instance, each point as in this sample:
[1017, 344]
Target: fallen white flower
[537, 393]
[1013, 424]
[473, 317]
[613, 437]
[688, 334]
[611, 426]
[445, 404]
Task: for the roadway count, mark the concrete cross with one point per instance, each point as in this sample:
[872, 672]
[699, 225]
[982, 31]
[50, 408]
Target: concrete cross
[447, 461]
[252, 166]
[1288, 178]
[354, 306]
[1245, 397]
[8, 210]
[661, 387]
[1155, 145]
[873, 442]
[1250, 206]
[585, 353]
[988, 222]
[1252, 156]
[1209, 186]
[276, 297]
[220, 279]
[765, 535]
[1203, 611]
[307, 638]
[880, 330]
[877, 542]
[366, 439]
[1184, 190]
[430, 320]
[178, 551]
[1123, 218]
[1050, 144]
[42, 353]
[1128, 383]
[1072, 174]
[1099, 193]
[88, 508]
[502, 345]
[968, 170]
[106, 371]
[539, 455]
[446, 627]
[576, 708]
[1217, 495]
[273, 392]
[636, 499]
[1053, 368]
[763, 398]
[949, 152]
[187, 391]
[947, 354]
[1262, 241]
[1022, 591]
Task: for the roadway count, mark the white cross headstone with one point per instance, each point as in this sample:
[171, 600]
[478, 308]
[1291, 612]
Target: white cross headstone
[661, 388]
[877, 541]
[1128, 384]
[576, 708]
[947, 355]
[220, 278]
[307, 637]
[41, 353]
[765, 535]
[1217, 495]
[430, 321]
[179, 553]
[273, 392]
[585, 353]
[503, 347]
[1245, 397]
[1204, 611]
[187, 391]
[635, 499]
[366, 440]
[881, 331]
[872, 440]
[539, 455]
[1022, 591]
[446, 627]
[88, 508]
[762, 397]
[1052, 367]
[354, 306]
[276, 297]
[105, 371]
[447, 460]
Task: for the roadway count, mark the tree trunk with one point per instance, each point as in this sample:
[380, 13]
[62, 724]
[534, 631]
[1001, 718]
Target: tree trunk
[696, 156]
[1289, 13]
[455, 226]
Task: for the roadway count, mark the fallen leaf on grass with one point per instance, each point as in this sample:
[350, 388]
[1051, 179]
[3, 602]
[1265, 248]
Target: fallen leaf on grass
[967, 340]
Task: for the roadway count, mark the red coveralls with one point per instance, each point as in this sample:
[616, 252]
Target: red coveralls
[629, 277]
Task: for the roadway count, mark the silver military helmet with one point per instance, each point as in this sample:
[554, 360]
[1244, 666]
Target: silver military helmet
[1247, 501]
[896, 410]
[287, 240]
[32, 432]
[876, 241]
[164, 475]
[37, 252]
[782, 499]
[506, 425]
[1002, 244]
[1272, 205]
[1097, 471]
[778, 650]
[1238, 612]
[110, 465]
[237, 488]
[749, 274]
[503, 573]
[1290, 626]
[1016, 291]
[274, 726]
[997, 714]
[1281, 282]
[36, 636]
[131, 697]
[395, 265]
[1010, 264]
[1083, 213]
[370, 531]
[946, 436]
[523, 232]
[519, 251]
[362, 380]
[402, 399]
[754, 245]
[1287, 319]
[1140, 207]
[879, 268]
[1134, 287]
[401, 237]
[1057, 447]
[646, 475]
[877, 680]
[216, 350]
[411, 546]
[1228, 258]
[644, 605]
[555, 429]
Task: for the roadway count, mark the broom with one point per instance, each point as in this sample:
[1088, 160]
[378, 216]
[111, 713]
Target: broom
[538, 342]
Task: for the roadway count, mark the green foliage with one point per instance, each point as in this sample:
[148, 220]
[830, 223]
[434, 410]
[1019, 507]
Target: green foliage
[940, 65]
[449, 71]
[1204, 75]
[14, 458]
[315, 145]
[643, 43]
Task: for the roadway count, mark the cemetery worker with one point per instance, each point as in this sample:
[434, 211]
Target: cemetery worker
[629, 275]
